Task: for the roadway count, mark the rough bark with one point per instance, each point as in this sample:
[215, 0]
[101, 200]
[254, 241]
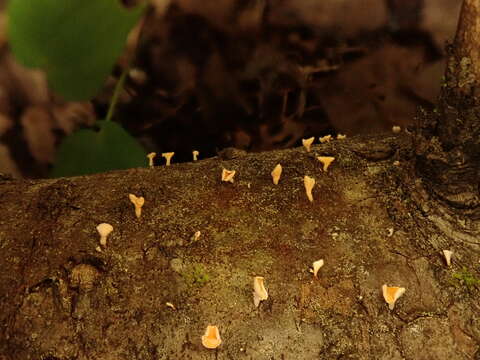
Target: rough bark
[373, 222]
[448, 147]
[61, 299]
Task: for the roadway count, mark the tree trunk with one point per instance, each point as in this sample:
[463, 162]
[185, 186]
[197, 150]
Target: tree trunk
[62, 299]
[448, 148]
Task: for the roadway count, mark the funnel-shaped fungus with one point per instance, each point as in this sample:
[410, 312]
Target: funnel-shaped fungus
[211, 338]
[396, 129]
[104, 230]
[276, 173]
[196, 236]
[195, 155]
[309, 184]
[227, 175]
[307, 143]
[316, 266]
[391, 294]
[168, 156]
[150, 157]
[448, 256]
[138, 203]
[259, 291]
[326, 161]
[325, 139]
[341, 136]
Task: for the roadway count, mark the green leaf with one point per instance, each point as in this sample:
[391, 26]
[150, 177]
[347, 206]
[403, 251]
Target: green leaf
[77, 42]
[88, 151]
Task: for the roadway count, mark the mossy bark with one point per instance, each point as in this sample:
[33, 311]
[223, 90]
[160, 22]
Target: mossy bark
[62, 299]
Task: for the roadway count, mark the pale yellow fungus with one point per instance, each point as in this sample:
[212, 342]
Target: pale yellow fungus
[168, 156]
[170, 305]
[195, 155]
[259, 291]
[391, 294]
[150, 157]
[325, 139]
[196, 236]
[396, 163]
[138, 203]
[227, 175]
[396, 129]
[307, 143]
[326, 161]
[211, 338]
[276, 173]
[309, 184]
[341, 136]
[448, 257]
[104, 230]
[317, 265]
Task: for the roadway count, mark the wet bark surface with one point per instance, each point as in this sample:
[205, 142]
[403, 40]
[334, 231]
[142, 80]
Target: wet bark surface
[63, 299]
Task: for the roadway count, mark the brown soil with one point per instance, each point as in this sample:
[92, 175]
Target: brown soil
[63, 300]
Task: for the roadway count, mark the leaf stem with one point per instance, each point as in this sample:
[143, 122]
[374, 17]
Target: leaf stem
[116, 94]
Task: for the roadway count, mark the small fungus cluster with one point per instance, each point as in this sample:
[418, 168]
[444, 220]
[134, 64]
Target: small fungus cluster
[168, 157]
[307, 143]
[211, 338]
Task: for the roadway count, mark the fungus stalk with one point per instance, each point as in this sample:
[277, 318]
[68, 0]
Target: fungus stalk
[104, 230]
[259, 291]
[325, 139]
[448, 257]
[309, 184]
[326, 161]
[317, 265]
[150, 157]
[168, 156]
[195, 155]
[307, 143]
[138, 203]
[276, 173]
